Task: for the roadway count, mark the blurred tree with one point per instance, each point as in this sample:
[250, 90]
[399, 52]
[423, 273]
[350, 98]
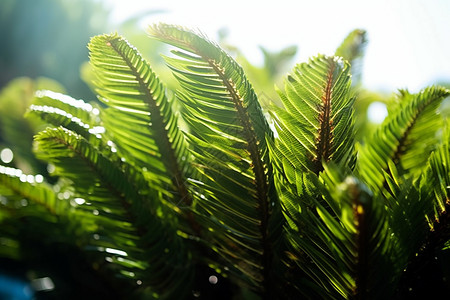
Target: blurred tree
[47, 38]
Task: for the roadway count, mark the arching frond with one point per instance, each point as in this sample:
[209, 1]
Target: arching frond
[28, 203]
[136, 231]
[227, 132]
[139, 117]
[406, 137]
[422, 223]
[15, 182]
[438, 177]
[62, 110]
[349, 244]
[16, 132]
[314, 127]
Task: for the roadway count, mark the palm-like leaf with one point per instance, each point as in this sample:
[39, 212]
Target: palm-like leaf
[15, 182]
[139, 116]
[16, 132]
[317, 123]
[227, 131]
[353, 45]
[344, 238]
[315, 127]
[421, 220]
[434, 186]
[61, 110]
[439, 174]
[358, 237]
[126, 210]
[28, 202]
[406, 137]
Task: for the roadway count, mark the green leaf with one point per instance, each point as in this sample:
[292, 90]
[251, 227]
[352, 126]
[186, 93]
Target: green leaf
[406, 137]
[139, 118]
[353, 45]
[30, 207]
[435, 182]
[316, 125]
[16, 133]
[314, 128]
[227, 134]
[140, 230]
[421, 222]
[62, 110]
[349, 244]
[14, 182]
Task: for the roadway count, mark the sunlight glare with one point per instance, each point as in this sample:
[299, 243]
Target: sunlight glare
[79, 201]
[43, 284]
[213, 279]
[39, 178]
[377, 112]
[115, 251]
[6, 155]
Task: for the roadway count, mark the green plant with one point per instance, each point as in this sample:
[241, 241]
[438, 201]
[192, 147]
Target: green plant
[159, 191]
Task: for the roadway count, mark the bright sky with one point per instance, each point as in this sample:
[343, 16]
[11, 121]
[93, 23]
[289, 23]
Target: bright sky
[409, 40]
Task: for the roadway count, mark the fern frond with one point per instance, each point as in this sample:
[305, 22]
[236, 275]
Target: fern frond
[62, 110]
[316, 125]
[14, 182]
[435, 187]
[227, 131]
[423, 221]
[131, 218]
[28, 204]
[406, 137]
[139, 117]
[350, 244]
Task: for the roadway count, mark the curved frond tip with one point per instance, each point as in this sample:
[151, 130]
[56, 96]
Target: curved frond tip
[407, 137]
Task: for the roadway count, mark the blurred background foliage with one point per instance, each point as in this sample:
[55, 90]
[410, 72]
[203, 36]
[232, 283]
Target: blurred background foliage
[16, 132]
[48, 38]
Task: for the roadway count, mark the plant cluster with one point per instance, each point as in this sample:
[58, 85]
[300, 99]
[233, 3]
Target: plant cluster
[201, 192]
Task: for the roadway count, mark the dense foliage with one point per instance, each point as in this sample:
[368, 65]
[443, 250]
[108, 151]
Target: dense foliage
[202, 192]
